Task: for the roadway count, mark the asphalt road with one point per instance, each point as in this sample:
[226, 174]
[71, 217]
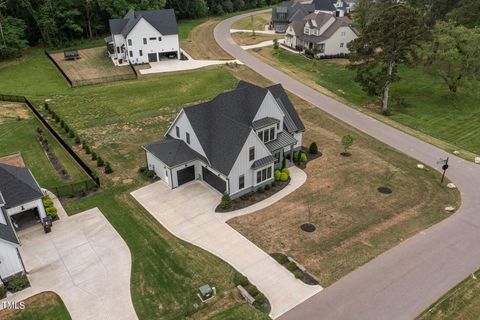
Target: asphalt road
[402, 282]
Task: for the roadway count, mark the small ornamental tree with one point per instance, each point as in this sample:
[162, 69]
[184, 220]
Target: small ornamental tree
[100, 162]
[347, 142]
[226, 202]
[108, 168]
[313, 148]
[87, 150]
[46, 106]
[94, 155]
[276, 45]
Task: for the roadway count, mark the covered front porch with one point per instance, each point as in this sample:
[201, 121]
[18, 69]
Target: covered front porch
[282, 149]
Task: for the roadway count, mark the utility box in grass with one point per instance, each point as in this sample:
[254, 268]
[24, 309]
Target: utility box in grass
[205, 292]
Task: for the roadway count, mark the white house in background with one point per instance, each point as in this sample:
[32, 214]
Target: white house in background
[232, 142]
[329, 34]
[338, 8]
[20, 197]
[143, 37]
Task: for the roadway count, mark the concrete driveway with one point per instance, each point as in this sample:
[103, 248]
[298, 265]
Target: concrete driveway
[188, 213]
[405, 280]
[84, 261]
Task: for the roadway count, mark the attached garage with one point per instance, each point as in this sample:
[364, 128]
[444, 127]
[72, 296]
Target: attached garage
[186, 175]
[213, 180]
[152, 57]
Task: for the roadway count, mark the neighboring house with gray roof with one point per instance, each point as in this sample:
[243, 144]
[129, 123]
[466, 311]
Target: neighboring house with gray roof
[20, 194]
[288, 12]
[329, 34]
[143, 37]
[232, 142]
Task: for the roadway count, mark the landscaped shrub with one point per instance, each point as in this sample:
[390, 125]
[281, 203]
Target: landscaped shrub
[66, 128]
[47, 202]
[3, 292]
[62, 123]
[71, 134]
[283, 177]
[108, 168]
[45, 106]
[100, 162]
[274, 184]
[298, 274]
[18, 283]
[285, 170]
[94, 155]
[303, 157]
[295, 156]
[261, 190]
[142, 170]
[226, 202]
[313, 148]
[39, 130]
[51, 212]
[84, 144]
[260, 298]
[277, 174]
[146, 173]
[243, 281]
[291, 266]
[87, 150]
[77, 139]
[282, 259]
[253, 291]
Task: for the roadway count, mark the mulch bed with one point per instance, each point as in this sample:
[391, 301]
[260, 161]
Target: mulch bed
[308, 227]
[253, 197]
[305, 278]
[384, 190]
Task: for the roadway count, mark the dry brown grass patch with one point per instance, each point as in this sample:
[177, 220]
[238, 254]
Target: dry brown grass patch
[12, 111]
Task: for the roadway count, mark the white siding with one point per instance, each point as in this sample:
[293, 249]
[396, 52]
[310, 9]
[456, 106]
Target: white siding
[27, 206]
[332, 45]
[119, 42]
[143, 29]
[184, 124]
[11, 263]
[158, 166]
[299, 137]
[270, 108]
[243, 165]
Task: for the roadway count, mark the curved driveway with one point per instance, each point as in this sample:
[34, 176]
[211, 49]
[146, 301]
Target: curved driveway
[402, 282]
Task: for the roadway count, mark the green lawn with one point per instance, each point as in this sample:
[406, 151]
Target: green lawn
[43, 306]
[461, 302]
[239, 312]
[429, 108]
[116, 119]
[21, 136]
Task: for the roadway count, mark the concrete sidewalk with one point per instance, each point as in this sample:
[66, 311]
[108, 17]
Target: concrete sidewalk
[188, 213]
[85, 261]
[262, 44]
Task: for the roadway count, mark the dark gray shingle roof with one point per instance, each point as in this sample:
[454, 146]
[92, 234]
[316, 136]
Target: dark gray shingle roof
[292, 10]
[173, 152]
[264, 122]
[7, 232]
[18, 186]
[162, 20]
[291, 115]
[324, 5]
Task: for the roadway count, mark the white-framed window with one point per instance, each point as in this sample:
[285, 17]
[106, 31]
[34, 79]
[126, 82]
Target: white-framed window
[140, 53]
[159, 38]
[188, 137]
[251, 154]
[144, 40]
[277, 157]
[153, 38]
[341, 45]
[264, 174]
[343, 33]
[130, 53]
[241, 182]
[267, 135]
[177, 131]
[129, 42]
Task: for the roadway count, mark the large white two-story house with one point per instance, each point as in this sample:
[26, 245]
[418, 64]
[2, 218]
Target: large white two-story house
[232, 142]
[20, 200]
[328, 33]
[143, 37]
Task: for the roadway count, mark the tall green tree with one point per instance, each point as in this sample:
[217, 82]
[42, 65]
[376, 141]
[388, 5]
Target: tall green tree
[390, 39]
[453, 54]
[467, 13]
[12, 36]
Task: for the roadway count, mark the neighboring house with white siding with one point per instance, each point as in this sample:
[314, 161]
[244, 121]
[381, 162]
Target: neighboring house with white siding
[20, 195]
[232, 142]
[143, 37]
[329, 34]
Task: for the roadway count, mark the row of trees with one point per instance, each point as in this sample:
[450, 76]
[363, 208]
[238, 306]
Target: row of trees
[55, 23]
[428, 33]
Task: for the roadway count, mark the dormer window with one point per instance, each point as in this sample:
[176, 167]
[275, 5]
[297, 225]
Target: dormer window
[267, 135]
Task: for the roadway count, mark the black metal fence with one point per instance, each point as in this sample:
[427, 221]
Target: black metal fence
[74, 189]
[84, 82]
[94, 178]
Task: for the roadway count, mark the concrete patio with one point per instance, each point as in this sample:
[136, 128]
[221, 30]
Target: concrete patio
[188, 213]
[85, 261]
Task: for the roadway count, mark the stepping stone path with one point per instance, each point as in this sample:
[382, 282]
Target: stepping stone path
[451, 186]
[477, 160]
[449, 209]
[420, 166]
